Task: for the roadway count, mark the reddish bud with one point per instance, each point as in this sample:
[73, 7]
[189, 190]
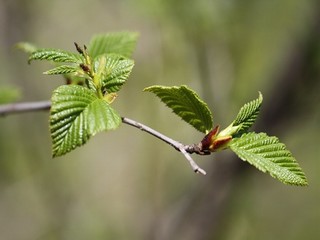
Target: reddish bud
[84, 67]
[212, 142]
[220, 143]
[79, 49]
[207, 140]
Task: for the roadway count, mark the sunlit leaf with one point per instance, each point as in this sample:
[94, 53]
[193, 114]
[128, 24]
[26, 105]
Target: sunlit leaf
[101, 117]
[64, 69]
[122, 43]
[76, 115]
[116, 70]
[55, 55]
[248, 115]
[269, 155]
[186, 104]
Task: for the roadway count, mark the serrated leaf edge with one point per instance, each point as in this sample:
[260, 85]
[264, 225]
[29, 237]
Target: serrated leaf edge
[55, 55]
[63, 69]
[205, 127]
[68, 122]
[247, 114]
[295, 176]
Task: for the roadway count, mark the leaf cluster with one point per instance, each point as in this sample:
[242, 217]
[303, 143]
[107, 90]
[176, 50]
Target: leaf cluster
[262, 151]
[95, 73]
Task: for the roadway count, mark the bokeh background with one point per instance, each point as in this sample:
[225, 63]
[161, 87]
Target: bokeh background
[126, 184]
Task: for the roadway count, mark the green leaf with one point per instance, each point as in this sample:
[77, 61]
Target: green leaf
[269, 155]
[55, 55]
[116, 70]
[76, 115]
[26, 47]
[122, 43]
[247, 115]
[186, 104]
[63, 69]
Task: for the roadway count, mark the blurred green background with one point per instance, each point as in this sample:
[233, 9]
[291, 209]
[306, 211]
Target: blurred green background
[128, 185]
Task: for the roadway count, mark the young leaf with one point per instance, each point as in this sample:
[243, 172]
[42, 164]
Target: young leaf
[269, 155]
[101, 117]
[63, 69]
[186, 104]
[122, 43]
[76, 115]
[247, 115]
[116, 71]
[55, 55]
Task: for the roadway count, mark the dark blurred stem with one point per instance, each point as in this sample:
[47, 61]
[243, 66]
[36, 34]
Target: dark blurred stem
[7, 109]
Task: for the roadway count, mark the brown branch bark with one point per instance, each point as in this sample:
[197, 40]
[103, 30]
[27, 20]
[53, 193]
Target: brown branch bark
[186, 150]
[24, 107]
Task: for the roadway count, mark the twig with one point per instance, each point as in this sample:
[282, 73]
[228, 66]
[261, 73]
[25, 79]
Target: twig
[193, 164]
[177, 145]
[7, 109]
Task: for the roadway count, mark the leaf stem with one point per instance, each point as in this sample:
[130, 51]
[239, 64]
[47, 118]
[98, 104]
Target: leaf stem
[186, 150]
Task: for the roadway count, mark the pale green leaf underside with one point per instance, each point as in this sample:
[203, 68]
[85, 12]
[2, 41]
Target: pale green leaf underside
[186, 104]
[269, 155]
[248, 114]
[8, 94]
[116, 72]
[122, 43]
[55, 55]
[76, 115]
[63, 69]
[26, 47]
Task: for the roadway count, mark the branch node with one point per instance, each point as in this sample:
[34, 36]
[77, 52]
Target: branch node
[200, 170]
[193, 164]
